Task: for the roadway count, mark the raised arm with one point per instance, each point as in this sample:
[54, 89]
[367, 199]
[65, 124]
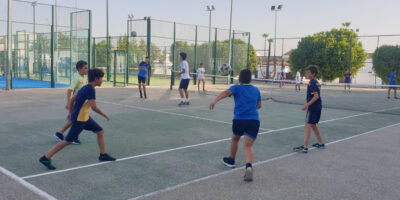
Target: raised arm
[221, 96]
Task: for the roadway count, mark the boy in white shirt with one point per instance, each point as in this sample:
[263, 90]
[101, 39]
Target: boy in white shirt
[185, 79]
[200, 76]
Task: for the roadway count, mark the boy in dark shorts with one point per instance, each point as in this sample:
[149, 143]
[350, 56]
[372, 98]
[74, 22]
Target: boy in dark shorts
[347, 80]
[313, 107]
[245, 121]
[144, 70]
[392, 81]
[79, 115]
[185, 79]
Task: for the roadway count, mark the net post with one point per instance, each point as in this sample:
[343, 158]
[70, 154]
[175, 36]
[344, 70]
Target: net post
[127, 53]
[195, 58]
[215, 55]
[115, 69]
[52, 48]
[173, 58]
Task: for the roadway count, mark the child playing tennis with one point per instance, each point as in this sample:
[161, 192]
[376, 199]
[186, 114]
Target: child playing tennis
[200, 76]
[245, 121]
[77, 84]
[79, 110]
[313, 108]
[392, 81]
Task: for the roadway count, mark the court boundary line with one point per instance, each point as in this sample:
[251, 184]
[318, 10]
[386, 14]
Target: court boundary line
[255, 164]
[179, 148]
[26, 184]
[172, 113]
[195, 107]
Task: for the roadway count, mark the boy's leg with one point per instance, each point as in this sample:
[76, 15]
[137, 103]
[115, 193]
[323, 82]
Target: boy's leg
[100, 142]
[317, 133]
[186, 94]
[66, 126]
[144, 89]
[234, 145]
[388, 95]
[198, 85]
[140, 89]
[204, 84]
[181, 93]
[395, 93]
[60, 145]
[248, 149]
[307, 134]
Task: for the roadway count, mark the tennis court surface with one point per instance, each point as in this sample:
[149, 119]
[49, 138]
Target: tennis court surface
[170, 152]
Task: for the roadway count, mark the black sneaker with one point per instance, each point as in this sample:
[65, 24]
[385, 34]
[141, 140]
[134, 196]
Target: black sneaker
[59, 136]
[47, 162]
[319, 146]
[301, 149]
[76, 142]
[181, 103]
[228, 161]
[106, 157]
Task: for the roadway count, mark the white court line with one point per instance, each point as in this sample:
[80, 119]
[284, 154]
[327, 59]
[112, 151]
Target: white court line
[172, 113]
[27, 185]
[174, 149]
[195, 107]
[255, 164]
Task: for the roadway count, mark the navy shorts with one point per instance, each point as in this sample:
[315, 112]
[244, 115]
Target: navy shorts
[249, 128]
[78, 127]
[184, 84]
[313, 116]
[141, 79]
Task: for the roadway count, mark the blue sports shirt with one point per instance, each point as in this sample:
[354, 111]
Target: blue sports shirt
[246, 101]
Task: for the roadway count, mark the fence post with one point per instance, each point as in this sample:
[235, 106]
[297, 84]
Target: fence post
[232, 56]
[248, 53]
[173, 58]
[215, 56]
[52, 48]
[90, 40]
[94, 52]
[149, 47]
[195, 58]
[127, 52]
[115, 68]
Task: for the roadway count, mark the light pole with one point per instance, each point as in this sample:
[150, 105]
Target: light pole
[265, 36]
[34, 35]
[210, 9]
[230, 35]
[108, 45]
[275, 9]
[9, 56]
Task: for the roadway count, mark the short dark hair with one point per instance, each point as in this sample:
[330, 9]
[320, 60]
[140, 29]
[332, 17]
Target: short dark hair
[313, 69]
[245, 76]
[147, 57]
[394, 69]
[80, 64]
[183, 55]
[95, 73]
[201, 64]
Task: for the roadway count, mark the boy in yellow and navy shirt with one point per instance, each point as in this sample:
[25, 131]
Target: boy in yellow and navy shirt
[79, 110]
[76, 85]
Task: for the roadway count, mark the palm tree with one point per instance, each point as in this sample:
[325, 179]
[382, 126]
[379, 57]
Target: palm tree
[346, 25]
[265, 36]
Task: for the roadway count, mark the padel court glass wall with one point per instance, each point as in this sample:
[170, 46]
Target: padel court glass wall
[47, 41]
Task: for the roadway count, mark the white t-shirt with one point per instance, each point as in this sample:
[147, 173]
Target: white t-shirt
[185, 65]
[200, 73]
[298, 77]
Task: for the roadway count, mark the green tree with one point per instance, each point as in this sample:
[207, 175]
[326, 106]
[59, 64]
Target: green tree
[331, 52]
[385, 59]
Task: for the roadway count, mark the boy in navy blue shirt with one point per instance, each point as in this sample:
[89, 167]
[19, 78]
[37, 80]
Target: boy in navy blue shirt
[245, 121]
[79, 110]
[144, 70]
[313, 107]
[392, 81]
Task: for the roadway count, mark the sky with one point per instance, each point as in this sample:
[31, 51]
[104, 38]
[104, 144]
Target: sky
[298, 18]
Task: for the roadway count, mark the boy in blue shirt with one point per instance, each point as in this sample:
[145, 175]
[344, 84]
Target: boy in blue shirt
[313, 107]
[245, 121]
[79, 110]
[347, 80]
[392, 81]
[144, 70]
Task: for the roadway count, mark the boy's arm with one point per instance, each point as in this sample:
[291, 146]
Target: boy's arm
[221, 96]
[259, 105]
[314, 99]
[96, 109]
[69, 93]
[183, 71]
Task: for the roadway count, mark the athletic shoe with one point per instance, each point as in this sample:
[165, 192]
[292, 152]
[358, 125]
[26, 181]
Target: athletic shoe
[59, 136]
[76, 142]
[228, 161]
[187, 103]
[47, 162]
[106, 157]
[248, 175]
[181, 103]
[319, 146]
[301, 149]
